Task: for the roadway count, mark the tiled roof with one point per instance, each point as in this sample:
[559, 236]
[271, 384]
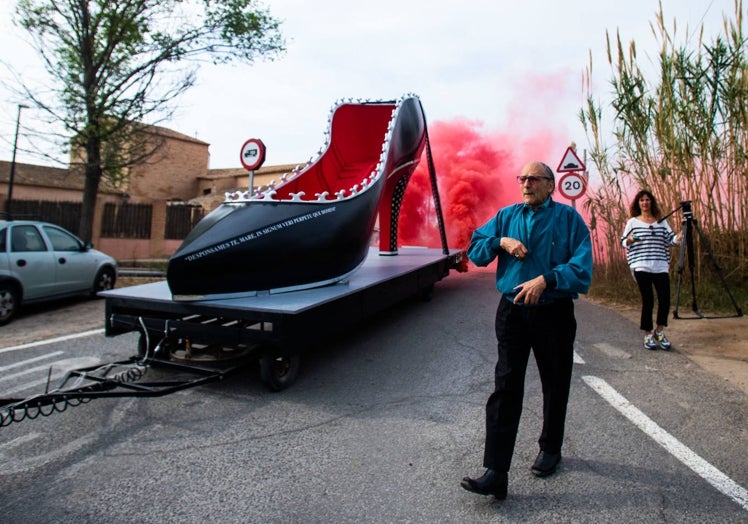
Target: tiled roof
[33, 175]
[240, 171]
[170, 133]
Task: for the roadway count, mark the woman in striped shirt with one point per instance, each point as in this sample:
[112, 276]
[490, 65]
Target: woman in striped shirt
[648, 240]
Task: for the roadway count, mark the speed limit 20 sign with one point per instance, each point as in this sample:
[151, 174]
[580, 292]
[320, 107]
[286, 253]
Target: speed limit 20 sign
[572, 185]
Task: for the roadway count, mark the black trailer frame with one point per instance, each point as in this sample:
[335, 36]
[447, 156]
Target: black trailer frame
[114, 379]
[272, 327]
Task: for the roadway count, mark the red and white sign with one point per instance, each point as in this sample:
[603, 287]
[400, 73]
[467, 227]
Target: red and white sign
[572, 185]
[253, 154]
[570, 162]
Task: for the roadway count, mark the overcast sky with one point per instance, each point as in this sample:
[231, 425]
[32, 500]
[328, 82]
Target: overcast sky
[510, 68]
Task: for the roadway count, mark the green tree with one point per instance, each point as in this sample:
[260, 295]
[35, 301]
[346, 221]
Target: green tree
[112, 65]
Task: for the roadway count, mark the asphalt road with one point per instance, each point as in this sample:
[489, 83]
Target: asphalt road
[380, 427]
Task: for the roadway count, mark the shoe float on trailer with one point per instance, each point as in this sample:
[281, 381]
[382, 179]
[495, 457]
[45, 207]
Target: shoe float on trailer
[269, 274]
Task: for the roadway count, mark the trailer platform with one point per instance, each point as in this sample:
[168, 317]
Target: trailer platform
[272, 327]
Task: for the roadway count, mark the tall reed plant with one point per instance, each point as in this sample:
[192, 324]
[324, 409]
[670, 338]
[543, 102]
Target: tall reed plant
[681, 132]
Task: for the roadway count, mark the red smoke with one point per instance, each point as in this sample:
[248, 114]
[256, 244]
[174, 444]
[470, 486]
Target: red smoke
[475, 173]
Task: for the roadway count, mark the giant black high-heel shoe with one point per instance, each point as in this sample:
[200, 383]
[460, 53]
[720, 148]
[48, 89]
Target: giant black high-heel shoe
[313, 228]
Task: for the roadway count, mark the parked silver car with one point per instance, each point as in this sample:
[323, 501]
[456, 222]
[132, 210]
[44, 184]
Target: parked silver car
[41, 261]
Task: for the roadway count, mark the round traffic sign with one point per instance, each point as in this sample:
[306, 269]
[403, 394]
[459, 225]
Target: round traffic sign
[572, 185]
[253, 154]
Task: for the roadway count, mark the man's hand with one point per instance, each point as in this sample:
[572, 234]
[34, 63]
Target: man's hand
[514, 247]
[530, 291]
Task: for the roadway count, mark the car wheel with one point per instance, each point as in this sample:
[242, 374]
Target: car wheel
[105, 279]
[9, 303]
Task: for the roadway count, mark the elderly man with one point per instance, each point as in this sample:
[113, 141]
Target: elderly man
[544, 261]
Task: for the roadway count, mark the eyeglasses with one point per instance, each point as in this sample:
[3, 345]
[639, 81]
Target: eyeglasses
[532, 179]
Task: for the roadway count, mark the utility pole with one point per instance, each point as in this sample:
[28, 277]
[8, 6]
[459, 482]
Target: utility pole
[12, 173]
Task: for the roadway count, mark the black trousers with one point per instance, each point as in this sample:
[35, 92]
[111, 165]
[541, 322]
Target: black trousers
[549, 331]
[661, 283]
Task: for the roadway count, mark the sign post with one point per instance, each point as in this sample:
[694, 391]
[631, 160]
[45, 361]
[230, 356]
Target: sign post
[252, 157]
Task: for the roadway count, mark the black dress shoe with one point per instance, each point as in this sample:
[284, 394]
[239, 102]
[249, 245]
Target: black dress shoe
[546, 463]
[490, 483]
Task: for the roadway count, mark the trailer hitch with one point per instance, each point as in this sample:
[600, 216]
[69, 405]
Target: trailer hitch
[111, 380]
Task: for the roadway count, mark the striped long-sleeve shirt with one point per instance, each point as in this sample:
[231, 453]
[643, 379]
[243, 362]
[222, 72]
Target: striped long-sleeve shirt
[651, 251]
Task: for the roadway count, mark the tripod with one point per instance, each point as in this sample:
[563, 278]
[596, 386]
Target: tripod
[689, 224]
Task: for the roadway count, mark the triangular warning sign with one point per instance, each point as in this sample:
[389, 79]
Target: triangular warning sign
[570, 162]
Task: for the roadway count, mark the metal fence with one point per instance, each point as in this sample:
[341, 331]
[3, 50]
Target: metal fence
[180, 219]
[65, 214]
[126, 220]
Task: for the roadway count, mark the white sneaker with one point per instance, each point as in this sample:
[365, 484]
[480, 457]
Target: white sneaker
[650, 342]
[662, 340]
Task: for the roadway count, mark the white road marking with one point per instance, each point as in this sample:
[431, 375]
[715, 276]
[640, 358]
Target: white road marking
[701, 467]
[13, 465]
[611, 351]
[578, 359]
[30, 360]
[18, 441]
[29, 371]
[53, 340]
[62, 366]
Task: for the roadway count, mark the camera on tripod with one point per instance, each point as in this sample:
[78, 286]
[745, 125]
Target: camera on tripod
[686, 206]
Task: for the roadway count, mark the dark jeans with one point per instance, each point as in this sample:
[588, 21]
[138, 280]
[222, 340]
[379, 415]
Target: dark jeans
[549, 330]
[661, 283]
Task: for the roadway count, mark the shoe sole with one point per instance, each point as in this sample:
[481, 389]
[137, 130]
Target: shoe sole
[467, 486]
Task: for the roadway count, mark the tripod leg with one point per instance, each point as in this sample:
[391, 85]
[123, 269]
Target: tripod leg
[681, 259]
[692, 264]
[717, 269]
[686, 250]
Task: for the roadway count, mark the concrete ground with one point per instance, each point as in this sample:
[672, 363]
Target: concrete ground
[718, 345]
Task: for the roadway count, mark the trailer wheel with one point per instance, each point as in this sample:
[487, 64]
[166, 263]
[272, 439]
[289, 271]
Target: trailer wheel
[427, 293]
[279, 372]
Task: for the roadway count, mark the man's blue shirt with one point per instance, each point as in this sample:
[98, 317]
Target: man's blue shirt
[558, 245]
